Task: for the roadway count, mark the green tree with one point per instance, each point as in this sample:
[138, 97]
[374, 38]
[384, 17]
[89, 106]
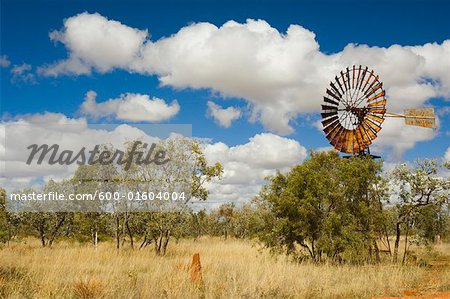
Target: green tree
[419, 187]
[326, 207]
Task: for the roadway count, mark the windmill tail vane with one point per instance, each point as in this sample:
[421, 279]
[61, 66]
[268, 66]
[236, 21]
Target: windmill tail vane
[354, 109]
[422, 117]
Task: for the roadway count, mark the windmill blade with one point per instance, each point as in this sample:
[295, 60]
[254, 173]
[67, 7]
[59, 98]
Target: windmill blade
[363, 77]
[335, 89]
[329, 101]
[353, 77]
[334, 132]
[374, 89]
[379, 95]
[368, 79]
[328, 114]
[353, 110]
[328, 121]
[333, 95]
[326, 107]
[368, 129]
[339, 83]
[349, 142]
[348, 79]
[372, 125]
[328, 129]
[377, 110]
[359, 76]
[375, 118]
[339, 143]
[371, 84]
[378, 104]
[362, 137]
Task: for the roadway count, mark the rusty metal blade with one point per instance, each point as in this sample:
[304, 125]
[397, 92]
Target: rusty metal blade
[328, 114]
[363, 77]
[333, 95]
[344, 82]
[348, 78]
[375, 127]
[331, 134]
[328, 129]
[328, 121]
[339, 83]
[362, 137]
[356, 144]
[334, 135]
[348, 142]
[326, 107]
[353, 77]
[374, 89]
[329, 101]
[372, 134]
[365, 135]
[374, 117]
[377, 110]
[378, 104]
[359, 76]
[368, 79]
[335, 90]
[377, 96]
[371, 84]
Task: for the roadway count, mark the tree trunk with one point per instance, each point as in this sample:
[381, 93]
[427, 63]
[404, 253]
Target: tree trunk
[397, 242]
[387, 241]
[42, 234]
[144, 242]
[166, 242]
[406, 244]
[159, 243]
[377, 251]
[117, 232]
[56, 229]
[130, 233]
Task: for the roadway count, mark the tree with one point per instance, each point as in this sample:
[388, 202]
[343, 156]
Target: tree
[8, 221]
[327, 207]
[419, 187]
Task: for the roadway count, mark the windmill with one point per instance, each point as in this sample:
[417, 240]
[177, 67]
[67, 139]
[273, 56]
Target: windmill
[354, 109]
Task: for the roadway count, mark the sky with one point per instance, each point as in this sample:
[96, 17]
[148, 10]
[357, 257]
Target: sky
[249, 76]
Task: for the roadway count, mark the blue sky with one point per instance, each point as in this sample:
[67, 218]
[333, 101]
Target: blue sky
[25, 27]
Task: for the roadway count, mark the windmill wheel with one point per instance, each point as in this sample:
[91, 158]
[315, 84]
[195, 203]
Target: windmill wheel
[353, 110]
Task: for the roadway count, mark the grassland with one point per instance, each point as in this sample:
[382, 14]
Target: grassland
[231, 269]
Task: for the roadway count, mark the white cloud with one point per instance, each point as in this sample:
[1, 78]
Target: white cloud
[447, 155]
[280, 74]
[22, 74]
[52, 128]
[130, 107]
[95, 42]
[224, 117]
[396, 137]
[4, 61]
[246, 165]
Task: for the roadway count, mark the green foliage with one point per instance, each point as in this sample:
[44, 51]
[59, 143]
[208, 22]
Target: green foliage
[327, 207]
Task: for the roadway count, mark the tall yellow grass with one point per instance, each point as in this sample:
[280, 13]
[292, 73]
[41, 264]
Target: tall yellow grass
[231, 269]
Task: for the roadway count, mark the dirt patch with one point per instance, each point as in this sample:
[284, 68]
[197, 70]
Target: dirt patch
[439, 295]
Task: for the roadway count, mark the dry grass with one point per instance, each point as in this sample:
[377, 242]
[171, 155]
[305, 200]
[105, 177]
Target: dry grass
[231, 269]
